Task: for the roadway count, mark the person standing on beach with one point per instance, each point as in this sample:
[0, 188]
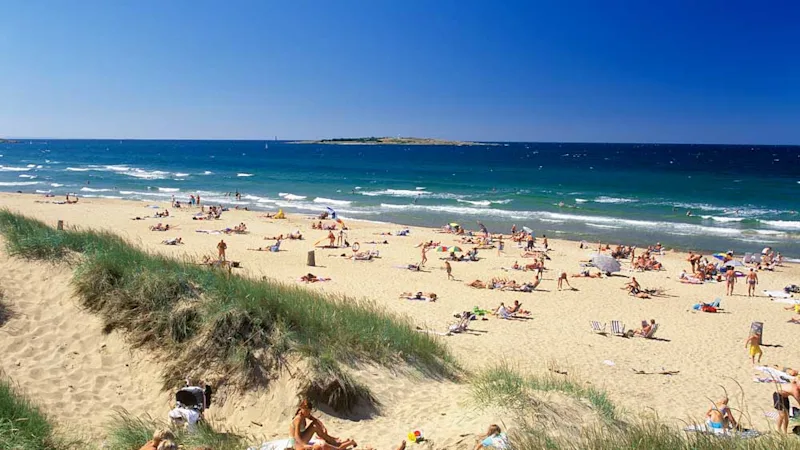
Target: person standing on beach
[424, 255]
[753, 342]
[752, 281]
[730, 277]
[331, 239]
[221, 247]
[544, 241]
[198, 199]
[500, 246]
[780, 401]
[449, 270]
[530, 242]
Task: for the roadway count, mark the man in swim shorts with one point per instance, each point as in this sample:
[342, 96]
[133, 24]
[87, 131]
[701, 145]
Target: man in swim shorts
[730, 277]
[752, 281]
[780, 401]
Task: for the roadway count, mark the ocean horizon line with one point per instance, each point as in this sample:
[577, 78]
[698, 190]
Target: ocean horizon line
[477, 141]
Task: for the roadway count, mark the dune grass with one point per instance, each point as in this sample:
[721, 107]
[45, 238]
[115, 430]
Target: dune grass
[208, 322]
[504, 387]
[22, 425]
[130, 433]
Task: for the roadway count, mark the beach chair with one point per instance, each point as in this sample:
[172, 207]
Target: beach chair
[617, 329]
[652, 332]
[597, 329]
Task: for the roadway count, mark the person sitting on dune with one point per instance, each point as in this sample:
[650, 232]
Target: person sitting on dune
[493, 438]
[304, 426]
[159, 436]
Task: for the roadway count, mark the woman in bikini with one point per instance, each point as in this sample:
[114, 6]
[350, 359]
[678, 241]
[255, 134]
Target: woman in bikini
[304, 426]
[719, 416]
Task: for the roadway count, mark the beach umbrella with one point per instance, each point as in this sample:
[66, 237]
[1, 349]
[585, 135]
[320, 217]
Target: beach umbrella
[733, 263]
[719, 256]
[527, 230]
[453, 224]
[331, 212]
[605, 263]
[442, 248]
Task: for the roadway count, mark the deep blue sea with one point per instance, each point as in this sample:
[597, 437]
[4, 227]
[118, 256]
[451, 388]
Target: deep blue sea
[741, 197]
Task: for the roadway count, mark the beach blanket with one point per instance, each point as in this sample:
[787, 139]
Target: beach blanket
[705, 429]
[280, 444]
[208, 231]
[778, 294]
[776, 374]
[789, 301]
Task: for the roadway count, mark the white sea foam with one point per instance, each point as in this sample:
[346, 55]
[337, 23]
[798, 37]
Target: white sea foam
[208, 172]
[18, 183]
[244, 174]
[782, 224]
[581, 200]
[163, 189]
[605, 199]
[395, 193]
[600, 225]
[88, 189]
[181, 174]
[420, 188]
[288, 196]
[39, 191]
[13, 169]
[145, 174]
[24, 175]
[331, 201]
[56, 184]
[77, 169]
[723, 219]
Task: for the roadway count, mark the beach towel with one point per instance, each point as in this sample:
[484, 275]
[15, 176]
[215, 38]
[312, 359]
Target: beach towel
[778, 294]
[776, 374]
[280, 444]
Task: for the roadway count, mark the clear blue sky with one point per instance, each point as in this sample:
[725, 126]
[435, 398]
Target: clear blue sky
[606, 71]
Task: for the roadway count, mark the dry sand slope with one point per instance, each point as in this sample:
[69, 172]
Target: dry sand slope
[707, 349]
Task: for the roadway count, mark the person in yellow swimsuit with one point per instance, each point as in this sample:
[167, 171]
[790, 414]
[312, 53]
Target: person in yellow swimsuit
[755, 349]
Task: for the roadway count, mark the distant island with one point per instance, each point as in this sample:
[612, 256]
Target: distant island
[388, 141]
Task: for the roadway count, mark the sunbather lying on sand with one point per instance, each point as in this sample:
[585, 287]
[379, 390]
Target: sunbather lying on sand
[587, 274]
[173, 241]
[477, 284]
[431, 296]
[311, 278]
[304, 426]
[160, 227]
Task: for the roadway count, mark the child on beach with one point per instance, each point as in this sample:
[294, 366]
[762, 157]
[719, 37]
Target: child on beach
[449, 270]
[753, 342]
[159, 436]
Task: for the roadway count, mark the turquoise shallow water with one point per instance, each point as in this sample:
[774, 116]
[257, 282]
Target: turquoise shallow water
[741, 197]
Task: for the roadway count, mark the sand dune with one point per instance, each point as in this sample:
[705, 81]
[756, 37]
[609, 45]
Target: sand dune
[707, 349]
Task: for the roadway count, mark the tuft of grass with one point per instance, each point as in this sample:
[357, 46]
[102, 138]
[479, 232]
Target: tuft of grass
[23, 426]
[502, 386]
[6, 312]
[241, 328]
[131, 433]
[330, 385]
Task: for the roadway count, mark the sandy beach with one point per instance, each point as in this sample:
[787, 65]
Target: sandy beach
[58, 354]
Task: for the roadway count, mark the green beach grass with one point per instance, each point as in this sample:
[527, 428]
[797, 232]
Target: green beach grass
[23, 426]
[233, 329]
[504, 387]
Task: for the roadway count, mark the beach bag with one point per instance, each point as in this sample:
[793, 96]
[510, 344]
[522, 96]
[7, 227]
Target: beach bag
[708, 308]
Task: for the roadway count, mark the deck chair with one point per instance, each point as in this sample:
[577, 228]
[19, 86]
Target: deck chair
[652, 332]
[617, 329]
[596, 328]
